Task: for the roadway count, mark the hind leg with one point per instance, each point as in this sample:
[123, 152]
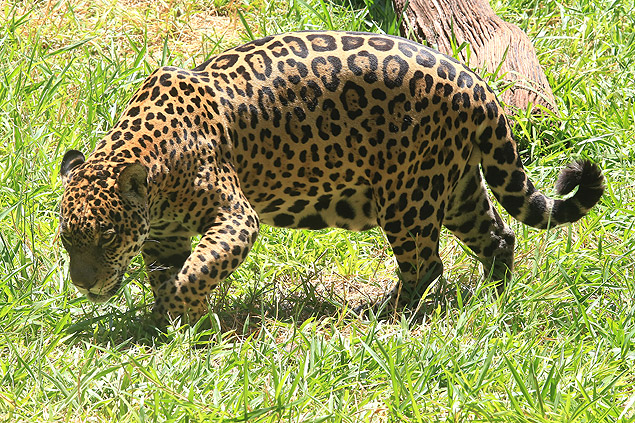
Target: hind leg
[413, 233]
[472, 217]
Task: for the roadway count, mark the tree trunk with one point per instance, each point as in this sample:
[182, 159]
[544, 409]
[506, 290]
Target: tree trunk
[490, 38]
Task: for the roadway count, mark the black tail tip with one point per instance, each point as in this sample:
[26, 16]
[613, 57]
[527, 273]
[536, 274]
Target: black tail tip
[583, 173]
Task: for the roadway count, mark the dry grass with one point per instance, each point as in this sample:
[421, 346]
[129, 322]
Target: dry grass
[191, 29]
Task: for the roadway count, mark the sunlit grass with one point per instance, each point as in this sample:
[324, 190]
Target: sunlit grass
[557, 346]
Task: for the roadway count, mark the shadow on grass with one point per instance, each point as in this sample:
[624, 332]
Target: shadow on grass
[341, 302]
[133, 327]
[243, 316]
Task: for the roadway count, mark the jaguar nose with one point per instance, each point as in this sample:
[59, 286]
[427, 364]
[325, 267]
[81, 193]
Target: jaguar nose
[83, 275]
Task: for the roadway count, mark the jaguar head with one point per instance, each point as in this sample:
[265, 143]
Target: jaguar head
[104, 221]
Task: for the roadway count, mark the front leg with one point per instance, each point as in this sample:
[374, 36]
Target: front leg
[223, 247]
[164, 254]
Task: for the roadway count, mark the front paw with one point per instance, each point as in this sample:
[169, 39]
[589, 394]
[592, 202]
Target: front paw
[160, 316]
[183, 314]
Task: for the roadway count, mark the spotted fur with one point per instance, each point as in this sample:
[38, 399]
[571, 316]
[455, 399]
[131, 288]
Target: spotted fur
[302, 130]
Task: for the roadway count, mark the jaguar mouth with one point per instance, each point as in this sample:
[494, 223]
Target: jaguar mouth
[101, 295]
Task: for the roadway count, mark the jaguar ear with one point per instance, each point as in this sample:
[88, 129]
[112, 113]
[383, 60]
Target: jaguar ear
[133, 183]
[71, 160]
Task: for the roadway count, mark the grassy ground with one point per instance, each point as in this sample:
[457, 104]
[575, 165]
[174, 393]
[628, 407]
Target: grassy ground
[558, 346]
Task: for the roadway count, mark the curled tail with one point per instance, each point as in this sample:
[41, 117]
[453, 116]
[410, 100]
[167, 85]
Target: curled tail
[590, 182]
[508, 181]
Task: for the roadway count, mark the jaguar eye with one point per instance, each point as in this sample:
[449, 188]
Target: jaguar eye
[108, 237]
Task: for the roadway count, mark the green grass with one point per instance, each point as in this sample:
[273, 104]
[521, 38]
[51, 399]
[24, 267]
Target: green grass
[558, 346]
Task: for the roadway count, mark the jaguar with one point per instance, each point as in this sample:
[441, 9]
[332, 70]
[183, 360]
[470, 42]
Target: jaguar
[303, 130]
